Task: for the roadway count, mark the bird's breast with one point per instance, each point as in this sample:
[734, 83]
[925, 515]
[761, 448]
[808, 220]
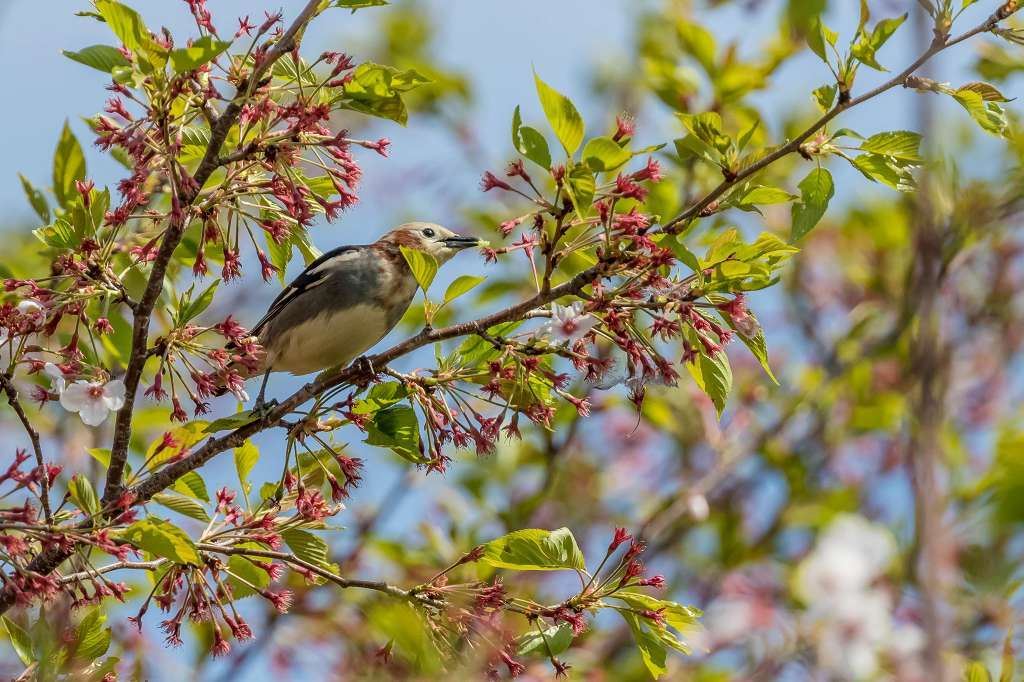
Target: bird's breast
[330, 339]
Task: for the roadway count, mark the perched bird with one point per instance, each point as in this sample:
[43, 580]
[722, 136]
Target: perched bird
[346, 301]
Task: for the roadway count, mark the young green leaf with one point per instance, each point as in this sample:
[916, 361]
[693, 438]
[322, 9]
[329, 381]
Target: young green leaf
[127, 25]
[397, 428]
[535, 550]
[358, 4]
[201, 51]
[562, 115]
[91, 637]
[163, 539]
[185, 506]
[422, 264]
[100, 57]
[246, 457]
[603, 154]
[306, 546]
[36, 199]
[529, 142]
[883, 169]
[20, 640]
[825, 96]
[83, 495]
[551, 642]
[864, 50]
[652, 651]
[68, 166]
[816, 190]
[192, 484]
[901, 145]
[463, 284]
[989, 115]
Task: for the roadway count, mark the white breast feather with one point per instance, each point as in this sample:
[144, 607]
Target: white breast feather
[330, 339]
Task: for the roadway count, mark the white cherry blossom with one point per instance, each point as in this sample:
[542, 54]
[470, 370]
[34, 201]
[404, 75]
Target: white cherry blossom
[93, 401]
[568, 323]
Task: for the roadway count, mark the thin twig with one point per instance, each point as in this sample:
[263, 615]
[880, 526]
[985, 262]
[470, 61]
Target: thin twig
[7, 383]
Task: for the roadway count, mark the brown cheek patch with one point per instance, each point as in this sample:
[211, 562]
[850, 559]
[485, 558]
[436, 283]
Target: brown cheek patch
[404, 238]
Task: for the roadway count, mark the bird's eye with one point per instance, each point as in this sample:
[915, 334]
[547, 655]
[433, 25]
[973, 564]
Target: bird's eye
[428, 232]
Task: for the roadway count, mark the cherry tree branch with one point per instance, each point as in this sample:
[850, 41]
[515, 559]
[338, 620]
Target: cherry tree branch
[172, 238]
[939, 44]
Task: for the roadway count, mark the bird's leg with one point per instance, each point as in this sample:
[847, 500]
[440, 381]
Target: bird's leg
[262, 408]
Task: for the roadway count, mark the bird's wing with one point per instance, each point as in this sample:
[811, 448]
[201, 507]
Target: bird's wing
[314, 274]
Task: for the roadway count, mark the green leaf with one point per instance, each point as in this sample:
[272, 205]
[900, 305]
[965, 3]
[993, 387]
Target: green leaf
[381, 396]
[749, 197]
[717, 378]
[68, 166]
[422, 264]
[358, 4]
[93, 639]
[816, 190]
[552, 642]
[100, 57]
[306, 546]
[988, 92]
[396, 427]
[682, 618]
[163, 539]
[603, 154]
[246, 457]
[462, 285]
[242, 573]
[562, 115]
[581, 188]
[529, 142]
[864, 50]
[233, 422]
[192, 484]
[201, 51]
[816, 40]
[989, 115]
[101, 455]
[535, 550]
[652, 651]
[193, 309]
[36, 199]
[882, 169]
[20, 640]
[902, 145]
[699, 42]
[406, 628]
[126, 24]
[183, 505]
[825, 96]
[82, 493]
[377, 90]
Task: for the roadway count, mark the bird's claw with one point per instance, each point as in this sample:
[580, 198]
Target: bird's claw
[365, 367]
[263, 408]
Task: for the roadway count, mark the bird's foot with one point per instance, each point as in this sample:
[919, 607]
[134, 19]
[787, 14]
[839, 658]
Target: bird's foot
[364, 367]
[263, 408]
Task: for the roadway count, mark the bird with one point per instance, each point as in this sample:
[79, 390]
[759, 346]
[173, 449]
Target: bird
[346, 301]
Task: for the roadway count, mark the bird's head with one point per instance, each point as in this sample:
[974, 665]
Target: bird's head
[438, 241]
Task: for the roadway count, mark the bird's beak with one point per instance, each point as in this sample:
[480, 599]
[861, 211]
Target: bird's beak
[460, 242]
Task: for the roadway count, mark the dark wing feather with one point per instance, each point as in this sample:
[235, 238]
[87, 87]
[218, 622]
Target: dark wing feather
[306, 280]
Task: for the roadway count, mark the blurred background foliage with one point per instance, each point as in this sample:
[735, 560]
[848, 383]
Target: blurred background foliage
[896, 337]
